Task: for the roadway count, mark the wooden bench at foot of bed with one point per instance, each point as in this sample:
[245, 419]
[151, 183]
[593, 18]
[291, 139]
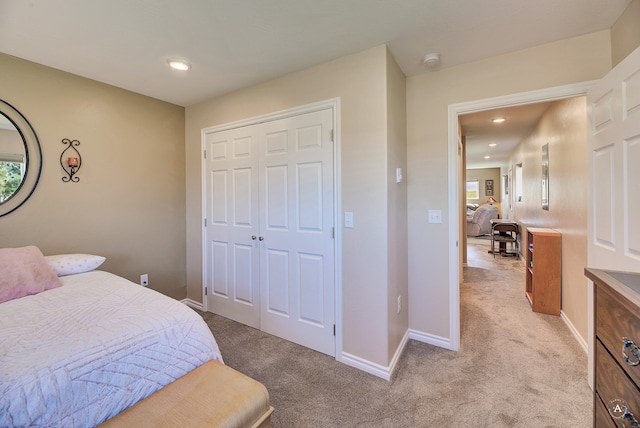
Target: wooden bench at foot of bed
[212, 395]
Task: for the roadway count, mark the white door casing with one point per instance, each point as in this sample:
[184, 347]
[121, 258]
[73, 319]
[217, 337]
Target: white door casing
[269, 256]
[613, 146]
[454, 110]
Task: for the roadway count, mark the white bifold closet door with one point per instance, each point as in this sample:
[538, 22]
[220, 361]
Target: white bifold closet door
[269, 252]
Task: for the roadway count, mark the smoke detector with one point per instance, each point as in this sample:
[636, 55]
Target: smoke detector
[431, 60]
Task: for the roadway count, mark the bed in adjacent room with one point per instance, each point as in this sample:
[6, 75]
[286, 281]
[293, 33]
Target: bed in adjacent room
[79, 348]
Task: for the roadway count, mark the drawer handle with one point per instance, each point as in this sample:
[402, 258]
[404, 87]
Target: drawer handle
[628, 417]
[633, 349]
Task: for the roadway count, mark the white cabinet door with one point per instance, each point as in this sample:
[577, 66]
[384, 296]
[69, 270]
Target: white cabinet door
[269, 251]
[614, 165]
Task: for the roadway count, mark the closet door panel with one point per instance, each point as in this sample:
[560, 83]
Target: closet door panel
[296, 192]
[231, 204]
[269, 252]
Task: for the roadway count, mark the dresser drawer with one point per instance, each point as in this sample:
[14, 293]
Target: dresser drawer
[613, 384]
[601, 418]
[616, 318]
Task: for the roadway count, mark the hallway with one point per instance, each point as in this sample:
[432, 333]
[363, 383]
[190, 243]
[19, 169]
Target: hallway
[537, 363]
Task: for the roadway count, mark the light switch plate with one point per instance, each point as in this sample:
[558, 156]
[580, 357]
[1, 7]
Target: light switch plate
[398, 175]
[348, 220]
[435, 216]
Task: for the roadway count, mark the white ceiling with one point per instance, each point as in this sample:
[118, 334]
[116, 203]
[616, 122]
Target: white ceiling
[236, 43]
[480, 131]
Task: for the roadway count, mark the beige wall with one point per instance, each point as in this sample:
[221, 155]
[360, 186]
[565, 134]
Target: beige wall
[129, 203]
[563, 126]
[625, 33]
[360, 80]
[397, 204]
[428, 97]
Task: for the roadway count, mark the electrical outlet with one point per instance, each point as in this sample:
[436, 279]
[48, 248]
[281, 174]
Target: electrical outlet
[144, 279]
[399, 303]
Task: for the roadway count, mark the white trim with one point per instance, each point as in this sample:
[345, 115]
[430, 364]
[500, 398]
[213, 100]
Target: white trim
[454, 110]
[384, 372]
[393, 364]
[431, 339]
[12, 157]
[365, 365]
[334, 105]
[192, 304]
[203, 216]
[337, 200]
[574, 331]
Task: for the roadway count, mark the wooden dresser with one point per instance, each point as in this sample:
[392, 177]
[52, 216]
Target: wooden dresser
[616, 395]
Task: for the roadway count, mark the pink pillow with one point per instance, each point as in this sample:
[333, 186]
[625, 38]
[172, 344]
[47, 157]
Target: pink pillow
[24, 271]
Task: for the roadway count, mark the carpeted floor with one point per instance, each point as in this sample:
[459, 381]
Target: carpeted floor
[515, 368]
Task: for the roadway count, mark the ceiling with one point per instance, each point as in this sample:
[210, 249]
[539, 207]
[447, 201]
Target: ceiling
[235, 43]
[232, 44]
[480, 131]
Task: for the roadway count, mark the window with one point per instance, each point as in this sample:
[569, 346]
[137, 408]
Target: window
[11, 174]
[473, 189]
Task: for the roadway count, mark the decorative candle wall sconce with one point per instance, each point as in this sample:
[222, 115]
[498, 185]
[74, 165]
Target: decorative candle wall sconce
[71, 165]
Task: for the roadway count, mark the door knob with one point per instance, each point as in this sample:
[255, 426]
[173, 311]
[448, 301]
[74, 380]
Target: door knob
[261, 238]
[253, 237]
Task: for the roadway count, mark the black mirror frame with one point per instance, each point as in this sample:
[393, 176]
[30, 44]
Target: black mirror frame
[33, 158]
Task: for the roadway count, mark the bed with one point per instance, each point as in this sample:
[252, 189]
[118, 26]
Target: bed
[85, 346]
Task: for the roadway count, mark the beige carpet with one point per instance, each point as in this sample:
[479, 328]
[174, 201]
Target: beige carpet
[516, 368]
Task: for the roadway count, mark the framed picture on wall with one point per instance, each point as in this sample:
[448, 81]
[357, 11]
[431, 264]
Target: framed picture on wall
[488, 187]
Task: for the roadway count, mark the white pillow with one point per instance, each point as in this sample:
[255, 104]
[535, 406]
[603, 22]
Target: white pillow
[70, 264]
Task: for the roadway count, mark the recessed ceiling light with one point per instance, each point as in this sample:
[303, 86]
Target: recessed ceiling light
[499, 119]
[178, 64]
[492, 145]
[487, 157]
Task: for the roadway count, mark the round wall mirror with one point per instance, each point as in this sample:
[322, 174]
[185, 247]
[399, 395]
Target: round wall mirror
[20, 159]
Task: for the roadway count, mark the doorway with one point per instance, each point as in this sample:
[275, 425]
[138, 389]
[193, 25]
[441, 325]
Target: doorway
[490, 139]
[457, 184]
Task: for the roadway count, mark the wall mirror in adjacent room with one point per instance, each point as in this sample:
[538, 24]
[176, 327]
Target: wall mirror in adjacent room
[20, 159]
[545, 177]
[517, 183]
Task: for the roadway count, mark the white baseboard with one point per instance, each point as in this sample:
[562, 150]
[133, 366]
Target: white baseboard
[431, 339]
[399, 351]
[192, 304]
[575, 333]
[373, 368]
